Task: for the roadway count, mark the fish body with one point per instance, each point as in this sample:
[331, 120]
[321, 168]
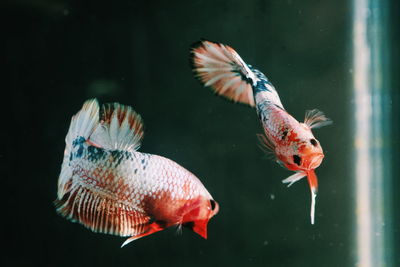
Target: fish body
[290, 141]
[110, 187]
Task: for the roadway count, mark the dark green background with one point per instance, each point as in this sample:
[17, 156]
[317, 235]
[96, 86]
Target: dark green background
[59, 53]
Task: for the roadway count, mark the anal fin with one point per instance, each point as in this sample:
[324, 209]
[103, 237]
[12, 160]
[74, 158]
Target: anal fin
[100, 213]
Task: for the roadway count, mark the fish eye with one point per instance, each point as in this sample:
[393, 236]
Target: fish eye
[297, 159]
[313, 142]
[212, 203]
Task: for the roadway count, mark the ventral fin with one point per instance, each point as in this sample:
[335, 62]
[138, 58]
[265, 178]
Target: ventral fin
[220, 67]
[316, 119]
[313, 182]
[198, 226]
[120, 128]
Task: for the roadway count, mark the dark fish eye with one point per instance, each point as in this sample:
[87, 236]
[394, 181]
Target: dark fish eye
[313, 142]
[212, 203]
[297, 159]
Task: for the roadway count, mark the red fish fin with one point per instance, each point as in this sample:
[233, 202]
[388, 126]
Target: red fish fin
[316, 119]
[266, 145]
[100, 213]
[220, 67]
[198, 226]
[149, 229]
[313, 182]
[121, 128]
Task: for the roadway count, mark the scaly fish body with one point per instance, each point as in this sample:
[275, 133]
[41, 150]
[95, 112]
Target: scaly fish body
[292, 142]
[110, 187]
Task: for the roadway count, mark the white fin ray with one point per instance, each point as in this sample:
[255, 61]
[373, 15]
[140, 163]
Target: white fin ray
[129, 240]
[219, 77]
[220, 67]
[82, 124]
[65, 176]
[120, 128]
[218, 54]
[294, 178]
[102, 213]
[316, 119]
[230, 84]
[312, 212]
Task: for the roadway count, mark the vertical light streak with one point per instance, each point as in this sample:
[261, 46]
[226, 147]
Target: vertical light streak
[362, 99]
[371, 133]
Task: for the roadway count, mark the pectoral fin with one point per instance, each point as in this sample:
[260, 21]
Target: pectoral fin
[294, 178]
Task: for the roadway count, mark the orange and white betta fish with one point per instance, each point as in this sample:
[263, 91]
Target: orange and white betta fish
[109, 187]
[292, 142]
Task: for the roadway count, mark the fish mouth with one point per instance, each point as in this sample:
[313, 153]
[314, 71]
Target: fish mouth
[315, 160]
[214, 208]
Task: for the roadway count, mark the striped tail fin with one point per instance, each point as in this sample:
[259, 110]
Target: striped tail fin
[219, 66]
[83, 124]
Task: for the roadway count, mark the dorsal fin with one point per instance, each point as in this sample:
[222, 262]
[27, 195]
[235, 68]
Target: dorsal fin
[316, 119]
[120, 128]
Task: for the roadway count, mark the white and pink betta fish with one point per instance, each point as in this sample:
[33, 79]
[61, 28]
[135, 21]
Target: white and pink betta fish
[110, 187]
[292, 142]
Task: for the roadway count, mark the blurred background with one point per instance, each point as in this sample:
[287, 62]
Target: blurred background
[57, 54]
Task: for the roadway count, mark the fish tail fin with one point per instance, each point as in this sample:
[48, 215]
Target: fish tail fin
[84, 122]
[219, 66]
[82, 125]
[121, 128]
[313, 182]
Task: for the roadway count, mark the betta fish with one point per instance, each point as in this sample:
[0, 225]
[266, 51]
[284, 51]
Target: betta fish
[110, 187]
[291, 142]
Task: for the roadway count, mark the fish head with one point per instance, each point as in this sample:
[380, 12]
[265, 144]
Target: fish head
[303, 152]
[198, 213]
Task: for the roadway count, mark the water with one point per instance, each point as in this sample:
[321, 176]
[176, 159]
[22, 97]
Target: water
[59, 53]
